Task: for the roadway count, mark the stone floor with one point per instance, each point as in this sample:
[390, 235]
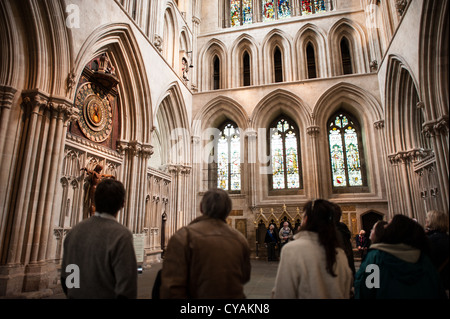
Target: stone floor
[259, 287]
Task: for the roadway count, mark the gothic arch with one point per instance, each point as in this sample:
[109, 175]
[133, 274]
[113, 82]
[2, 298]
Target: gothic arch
[205, 123]
[213, 48]
[169, 32]
[433, 63]
[47, 58]
[366, 110]
[173, 127]
[242, 44]
[310, 33]
[119, 41]
[277, 102]
[403, 119]
[357, 39]
[276, 38]
[433, 71]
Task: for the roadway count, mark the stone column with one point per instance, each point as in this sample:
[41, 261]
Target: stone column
[437, 132]
[134, 174]
[313, 131]
[30, 214]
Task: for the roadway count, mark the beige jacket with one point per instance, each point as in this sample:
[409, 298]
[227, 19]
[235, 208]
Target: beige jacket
[302, 271]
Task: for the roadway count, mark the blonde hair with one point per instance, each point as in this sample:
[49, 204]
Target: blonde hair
[437, 220]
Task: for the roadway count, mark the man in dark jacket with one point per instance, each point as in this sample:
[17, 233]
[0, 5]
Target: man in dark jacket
[207, 259]
[99, 260]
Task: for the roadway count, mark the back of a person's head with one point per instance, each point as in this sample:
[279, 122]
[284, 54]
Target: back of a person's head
[404, 230]
[378, 229]
[320, 217]
[109, 196]
[337, 212]
[216, 204]
[437, 220]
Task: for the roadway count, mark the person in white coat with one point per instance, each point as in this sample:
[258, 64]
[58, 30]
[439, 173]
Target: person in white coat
[312, 266]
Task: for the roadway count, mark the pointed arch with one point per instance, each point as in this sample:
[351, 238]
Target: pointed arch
[214, 48]
[403, 119]
[173, 126]
[311, 34]
[169, 33]
[136, 110]
[277, 102]
[244, 43]
[357, 42]
[206, 123]
[365, 109]
[276, 39]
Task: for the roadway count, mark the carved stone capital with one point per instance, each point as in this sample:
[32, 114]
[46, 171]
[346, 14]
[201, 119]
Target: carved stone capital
[313, 130]
[379, 124]
[7, 95]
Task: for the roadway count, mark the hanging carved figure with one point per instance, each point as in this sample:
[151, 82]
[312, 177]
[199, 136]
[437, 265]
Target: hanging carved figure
[93, 179]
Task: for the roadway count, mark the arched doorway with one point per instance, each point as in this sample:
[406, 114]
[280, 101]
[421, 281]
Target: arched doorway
[369, 219]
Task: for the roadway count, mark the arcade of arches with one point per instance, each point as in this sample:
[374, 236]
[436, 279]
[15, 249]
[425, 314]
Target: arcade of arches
[277, 102]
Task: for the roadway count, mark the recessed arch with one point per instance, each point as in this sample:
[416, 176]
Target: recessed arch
[213, 48]
[134, 92]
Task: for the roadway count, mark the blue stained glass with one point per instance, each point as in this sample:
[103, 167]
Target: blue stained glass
[319, 6]
[284, 9]
[247, 11]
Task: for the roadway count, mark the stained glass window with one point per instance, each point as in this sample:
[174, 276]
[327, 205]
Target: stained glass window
[247, 11]
[241, 12]
[284, 147]
[306, 7]
[284, 9]
[235, 12]
[319, 6]
[268, 10]
[313, 6]
[345, 151]
[229, 158]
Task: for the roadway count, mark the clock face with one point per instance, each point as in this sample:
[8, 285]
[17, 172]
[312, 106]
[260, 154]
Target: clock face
[96, 112]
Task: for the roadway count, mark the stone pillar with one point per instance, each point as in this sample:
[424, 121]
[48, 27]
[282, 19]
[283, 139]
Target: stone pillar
[313, 131]
[437, 132]
[133, 177]
[29, 231]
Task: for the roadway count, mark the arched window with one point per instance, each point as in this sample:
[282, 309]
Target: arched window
[346, 152]
[278, 65]
[346, 56]
[241, 12]
[216, 73]
[246, 69]
[285, 155]
[228, 158]
[311, 60]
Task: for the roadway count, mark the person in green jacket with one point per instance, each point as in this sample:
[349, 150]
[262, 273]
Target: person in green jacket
[399, 266]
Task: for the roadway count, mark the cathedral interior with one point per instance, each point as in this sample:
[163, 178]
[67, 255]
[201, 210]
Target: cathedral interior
[276, 102]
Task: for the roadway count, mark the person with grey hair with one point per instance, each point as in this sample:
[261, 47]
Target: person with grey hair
[207, 259]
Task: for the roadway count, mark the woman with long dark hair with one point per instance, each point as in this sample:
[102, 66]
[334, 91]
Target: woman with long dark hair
[312, 265]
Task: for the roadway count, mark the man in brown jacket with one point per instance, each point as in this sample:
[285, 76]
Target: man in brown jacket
[207, 259]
